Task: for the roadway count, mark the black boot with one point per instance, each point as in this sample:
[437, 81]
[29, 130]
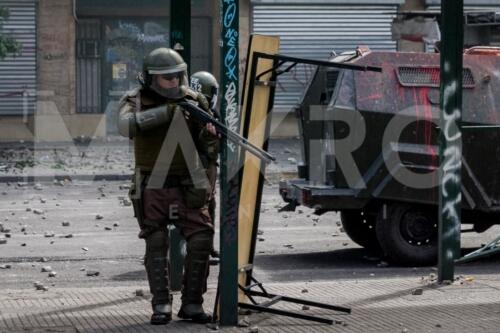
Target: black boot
[195, 278]
[157, 270]
[195, 313]
[162, 314]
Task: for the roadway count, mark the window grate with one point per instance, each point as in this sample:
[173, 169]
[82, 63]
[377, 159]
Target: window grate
[429, 77]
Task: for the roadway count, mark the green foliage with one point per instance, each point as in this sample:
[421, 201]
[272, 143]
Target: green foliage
[7, 44]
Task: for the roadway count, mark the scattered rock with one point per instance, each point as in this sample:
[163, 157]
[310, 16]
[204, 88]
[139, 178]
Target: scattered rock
[92, 273]
[46, 269]
[108, 228]
[341, 229]
[28, 209]
[417, 292]
[243, 323]
[139, 293]
[438, 325]
[68, 236]
[38, 187]
[43, 200]
[305, 307]
[116, 224]
[52, 274]
[125, 187]
[85, 249]
[38, 211]
[287, 151]
[260, 232]
[382, 264]
[23, 244]
[49, 234]
[3, 241]
[304, 291]
[6, 266]
[345, 243]
[212, 326]
[261, 239]
[292, 160]
[254, 329]
[43, 259]
[126, 202]
[65, 224]
[99, 217]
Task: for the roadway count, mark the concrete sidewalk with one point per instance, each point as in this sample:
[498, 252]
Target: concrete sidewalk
[469, 305]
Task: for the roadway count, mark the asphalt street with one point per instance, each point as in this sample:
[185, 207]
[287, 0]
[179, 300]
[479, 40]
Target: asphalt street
[80, 228]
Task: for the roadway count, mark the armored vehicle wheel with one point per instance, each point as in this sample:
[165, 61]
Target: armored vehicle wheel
[360, 227]
[408, 234]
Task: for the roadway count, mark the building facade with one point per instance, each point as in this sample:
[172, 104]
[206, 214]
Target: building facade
[79, 56]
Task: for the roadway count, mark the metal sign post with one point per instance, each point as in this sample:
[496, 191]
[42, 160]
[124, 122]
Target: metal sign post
[450, 147]
[180, 40]
[229, 164]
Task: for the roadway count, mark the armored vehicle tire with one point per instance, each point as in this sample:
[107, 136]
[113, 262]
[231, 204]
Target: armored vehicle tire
[360, 227]
[408, 234]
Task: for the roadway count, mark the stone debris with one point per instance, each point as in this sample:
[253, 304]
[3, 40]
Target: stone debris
[116, 224]
[292, 160]
[212, 326]
[126, 202]
[38, 187]
[305, 307]
[3, 241]
[417, 292]
[125, 187]
[139, 293]
[243, 323]
[382, 264]
[345, 243]
[261, 239]
[28, 209]
[23, 244]
[49, 234]
[52, 274]
[66, 224]
[46, 269]
[99, 217]
[108, 228]
[85, 249]
[93, 273]
[67, 236]
[254, 329]
[38, 211]
[43, 259]
[260, 232]
[304, 291]
[6, 266]
[42, 200]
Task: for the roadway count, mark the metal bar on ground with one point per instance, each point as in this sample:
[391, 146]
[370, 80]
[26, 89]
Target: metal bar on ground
[450, 147]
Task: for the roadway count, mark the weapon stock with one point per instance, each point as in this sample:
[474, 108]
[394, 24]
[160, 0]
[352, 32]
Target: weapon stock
[234, 137]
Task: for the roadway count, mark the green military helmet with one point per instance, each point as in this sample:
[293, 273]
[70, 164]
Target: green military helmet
[205, 83]
[169, 64]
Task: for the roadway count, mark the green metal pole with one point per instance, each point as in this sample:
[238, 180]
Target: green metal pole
[180, 40]
[228, 277]
[450, 147]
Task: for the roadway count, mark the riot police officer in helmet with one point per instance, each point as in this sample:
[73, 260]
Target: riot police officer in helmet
[145, 116]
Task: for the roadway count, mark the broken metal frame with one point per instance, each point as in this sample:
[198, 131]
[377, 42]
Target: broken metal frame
[489, 249]
[279, 61]
[273, 299]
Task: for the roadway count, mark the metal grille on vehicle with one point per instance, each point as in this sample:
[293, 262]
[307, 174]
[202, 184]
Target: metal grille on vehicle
[428, 77]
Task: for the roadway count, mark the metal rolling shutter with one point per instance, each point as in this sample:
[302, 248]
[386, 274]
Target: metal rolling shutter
[314, 30]
[18, 74]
